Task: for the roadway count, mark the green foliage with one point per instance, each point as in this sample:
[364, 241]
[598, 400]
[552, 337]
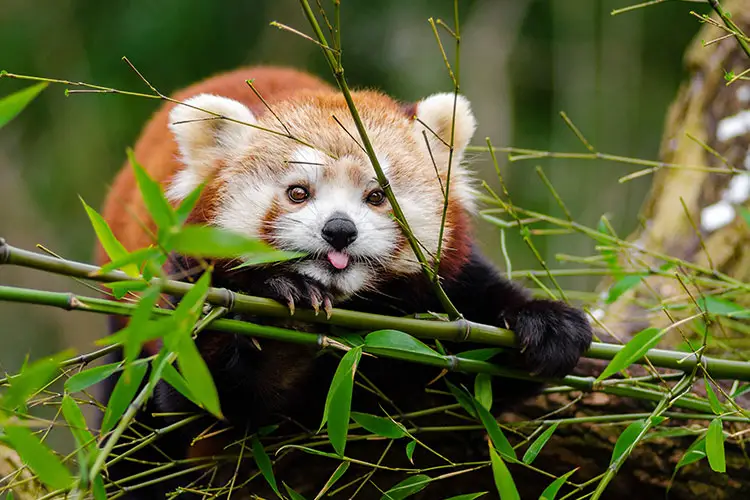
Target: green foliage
[11, 105]
[39, 458]
[715, 446]
[90, 376]
[533, 451]
[633, 351]
[176, 333]
[408, 487]
[264, 464]
[550, 492]
[339, 400]
[122, 395]
[506, 487]
[112, 246]
[378, 425]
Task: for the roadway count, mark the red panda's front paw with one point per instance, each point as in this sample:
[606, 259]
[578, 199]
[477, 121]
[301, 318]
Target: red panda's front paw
[553, 336]
[299, 291]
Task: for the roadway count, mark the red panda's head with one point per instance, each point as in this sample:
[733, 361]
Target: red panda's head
[318, 194]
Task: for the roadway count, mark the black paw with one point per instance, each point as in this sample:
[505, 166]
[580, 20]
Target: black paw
[295, 290]
[553, 336]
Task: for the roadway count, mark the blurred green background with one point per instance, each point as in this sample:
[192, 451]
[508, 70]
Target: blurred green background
[523, 61]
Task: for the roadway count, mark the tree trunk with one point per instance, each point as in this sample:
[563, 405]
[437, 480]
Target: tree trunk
[25, 484]
[689, 214]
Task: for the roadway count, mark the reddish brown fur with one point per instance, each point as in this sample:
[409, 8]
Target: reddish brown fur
[156, 149]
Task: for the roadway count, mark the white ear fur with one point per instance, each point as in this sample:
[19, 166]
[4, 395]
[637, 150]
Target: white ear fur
[204, 138]
[436, 112]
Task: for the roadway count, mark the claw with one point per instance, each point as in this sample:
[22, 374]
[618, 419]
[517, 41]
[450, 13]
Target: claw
[290, 304]
[315, 300]
[327, 307]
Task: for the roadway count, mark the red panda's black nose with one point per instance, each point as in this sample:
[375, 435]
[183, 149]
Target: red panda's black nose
[340, 231]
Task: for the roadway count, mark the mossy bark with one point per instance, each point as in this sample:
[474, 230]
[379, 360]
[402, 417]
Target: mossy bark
[673, 225]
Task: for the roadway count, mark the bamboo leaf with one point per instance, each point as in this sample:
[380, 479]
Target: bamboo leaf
[538, 444]
[86, 378]
[622, 285]
[267, 258]
[39, 458]
[182, 212]
[484, 354]
[722, 307]
[293, 494]
[122, 395]
[713, 400]
[112, 246]
[139, 329]
[11, 105]
[499, 441]
[153, 197]
[264, 464]
[198, 376]
[463, 398]
[340, 471]
[410, 446]
[98, 488]
[632, 351]
[550, 492]
[715, 446]
[695, 452]
[214, 242]
[339, 399]
[627, 438]
[483, 390]
[137, 258]
[503, 480]
[378, 425]
[399, 341]
[171, 376]
[407, 487]
[468, 496]
[120, 289]
[85, 442]
[32, 378]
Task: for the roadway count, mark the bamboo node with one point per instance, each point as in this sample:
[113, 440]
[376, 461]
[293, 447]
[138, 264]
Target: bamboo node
[464, 330]
[229, 299]
[4, 251]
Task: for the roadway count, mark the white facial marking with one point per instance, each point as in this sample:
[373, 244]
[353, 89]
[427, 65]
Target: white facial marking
[743, 94]
[733, 126]
[716, 216]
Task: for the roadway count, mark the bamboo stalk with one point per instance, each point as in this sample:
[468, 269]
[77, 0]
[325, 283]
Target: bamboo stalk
[73, 302]
[453, 331]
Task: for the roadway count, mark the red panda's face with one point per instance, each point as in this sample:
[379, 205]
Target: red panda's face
[317, 193]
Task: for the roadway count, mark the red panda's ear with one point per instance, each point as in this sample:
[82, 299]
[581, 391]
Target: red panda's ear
[204, 138]
[435, 117]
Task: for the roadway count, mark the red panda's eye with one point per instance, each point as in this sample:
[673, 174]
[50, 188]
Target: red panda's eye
[298, 194]
[377, 197]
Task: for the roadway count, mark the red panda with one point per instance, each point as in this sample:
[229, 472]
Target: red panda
[309, 187]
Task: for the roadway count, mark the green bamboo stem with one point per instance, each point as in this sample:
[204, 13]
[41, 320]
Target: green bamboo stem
[338, 73]
[452, 363]
[452, 331]
[731, 26]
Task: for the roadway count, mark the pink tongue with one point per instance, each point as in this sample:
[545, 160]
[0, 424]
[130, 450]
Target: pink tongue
[338, 260]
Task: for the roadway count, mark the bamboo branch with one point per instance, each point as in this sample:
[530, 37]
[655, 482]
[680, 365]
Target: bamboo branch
[453, 331]
[338, 73]
[456, 363]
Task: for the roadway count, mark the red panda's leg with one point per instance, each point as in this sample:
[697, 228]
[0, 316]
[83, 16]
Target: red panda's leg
[553, 335]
